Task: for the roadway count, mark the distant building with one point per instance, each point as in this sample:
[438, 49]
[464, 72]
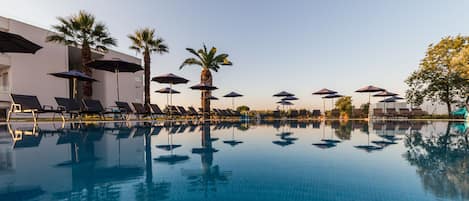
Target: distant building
[29, 73]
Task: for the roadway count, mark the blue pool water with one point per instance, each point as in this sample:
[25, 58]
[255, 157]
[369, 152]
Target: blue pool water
[276, 160]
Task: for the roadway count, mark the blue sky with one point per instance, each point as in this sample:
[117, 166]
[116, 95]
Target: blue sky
[299, 45]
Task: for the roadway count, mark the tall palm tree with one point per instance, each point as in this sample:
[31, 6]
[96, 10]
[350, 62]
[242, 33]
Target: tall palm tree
[145, 41]
[208, 60]
[82, 30]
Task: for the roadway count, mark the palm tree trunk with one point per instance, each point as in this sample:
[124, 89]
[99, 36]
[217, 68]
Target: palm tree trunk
[146, 60]
[85, 58]
[206, 78]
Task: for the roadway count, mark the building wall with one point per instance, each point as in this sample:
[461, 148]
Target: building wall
[130, 84]
[28, 73]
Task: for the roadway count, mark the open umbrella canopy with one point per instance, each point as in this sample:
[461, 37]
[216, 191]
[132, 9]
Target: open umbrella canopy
[232, 95]
[14, 43]
[282, 102]
[213, 98]
[289, 98]
[203, 87]
[369, 89]
[114, 65]
[391, 99]
[73, 74]
[324, 91]
[167, 90]
[333, 96]
[169, 79]
[385, 94]
[283, 94]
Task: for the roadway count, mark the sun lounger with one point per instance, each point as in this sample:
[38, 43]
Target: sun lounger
[95, 107]
[30, 104]
[141, 110]
[124, 108]
[69, 105]
[155, 110]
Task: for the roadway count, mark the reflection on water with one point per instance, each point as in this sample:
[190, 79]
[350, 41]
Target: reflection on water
[267, 160]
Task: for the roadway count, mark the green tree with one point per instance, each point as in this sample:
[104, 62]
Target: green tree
[207, 60]
[82, 31]
[440, 78]
[243, 108]
[344, 105]
[146, 42]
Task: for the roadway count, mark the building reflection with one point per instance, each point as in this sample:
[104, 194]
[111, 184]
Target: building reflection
[442, 160]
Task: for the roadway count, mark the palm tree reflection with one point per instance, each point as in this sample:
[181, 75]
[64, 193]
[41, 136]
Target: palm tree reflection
[206, 178]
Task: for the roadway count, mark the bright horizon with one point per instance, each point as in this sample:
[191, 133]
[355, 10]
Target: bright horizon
[296, 46]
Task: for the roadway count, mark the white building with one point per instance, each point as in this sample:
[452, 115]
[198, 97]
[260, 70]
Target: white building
[29, 73]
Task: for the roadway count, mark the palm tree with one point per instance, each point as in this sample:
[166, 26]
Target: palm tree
[208, 60]
[144, 40]
[82, 30]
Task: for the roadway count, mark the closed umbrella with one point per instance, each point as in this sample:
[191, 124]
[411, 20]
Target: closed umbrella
[75, 76]
[232, 95]
[14, 43]
[324, 91]
[116, 66]
[170, 79]
[369, 89]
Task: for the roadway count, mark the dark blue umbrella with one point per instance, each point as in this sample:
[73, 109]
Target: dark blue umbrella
[170, 79]
[75, 75]
[232, 95]
[115, 66]
[283, 94]
[14, 43]
[324, 91]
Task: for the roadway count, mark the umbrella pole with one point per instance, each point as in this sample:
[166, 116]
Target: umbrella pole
[117, 81]
[324, 107]
[74, 88]
[170, 98]
[232, 103]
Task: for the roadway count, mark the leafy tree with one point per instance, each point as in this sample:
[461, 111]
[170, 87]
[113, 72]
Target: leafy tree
[207, 60]
[243, 108]
[146, 42]
[82, 31]
[440, 76]
[344, 105]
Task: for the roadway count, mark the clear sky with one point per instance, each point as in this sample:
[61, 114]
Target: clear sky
[297, 45]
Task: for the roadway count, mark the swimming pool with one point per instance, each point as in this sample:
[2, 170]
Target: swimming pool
[271, 160]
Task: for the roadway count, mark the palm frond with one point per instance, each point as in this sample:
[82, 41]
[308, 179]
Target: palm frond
[190, 61]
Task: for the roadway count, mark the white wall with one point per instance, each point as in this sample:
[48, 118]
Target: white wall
[130, 84]
[28, 73]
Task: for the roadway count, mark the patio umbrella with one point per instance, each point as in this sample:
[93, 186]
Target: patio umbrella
[75, 76]
[384, 94]
[324, 91]
[283, 94]
[204, 87]
[369, 89]
[289, 98]
[14, 43]
[213, 98]
[170, 79]
[392, 99]
[332, 97]
[167, 91]
[285, 103]
[232, 95]
[116, 66]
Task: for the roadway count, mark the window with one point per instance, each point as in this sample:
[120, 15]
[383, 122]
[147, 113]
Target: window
[4, 81]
